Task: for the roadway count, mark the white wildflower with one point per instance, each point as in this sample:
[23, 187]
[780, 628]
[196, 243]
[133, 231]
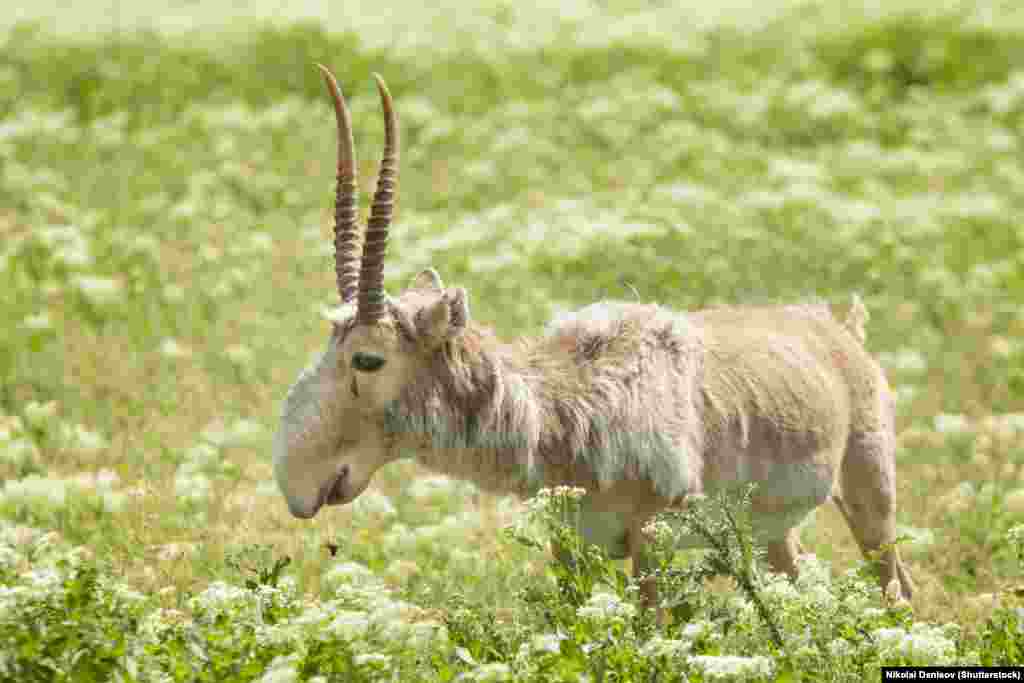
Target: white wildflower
[84, 441]
[372, 659]
[812, 572]
[388, 613]
[832, 103]
[242, 432]
[127, 594]
[730, 667]
[351, 574]
[74, 254]
[1015, 535]
[9, 557]
[906, 393]
[481, 170]
[111, 501]
[160, 621]
[741, 605]
[192, 487]
[401, 621]
[35, 489]
[171, 348]
[18, 452]
[763, 199]
[701, 628]
[315, 614]
[605, 606]
[549, 643]
[399, 538]
[39, 415]
[43, 579]
[840, 647]
[951, 424]
[924, 644]
[488, 673]
[219, 595]
[184, 209]
[779, 588]
[468, 561]
[37, 322]
[105, 479]
[245, 432]
[349, 624]
[428, 487]
[99, 291]
[569, 492]
[666, 647]
[687, 194]
[374, 504]
[267, 489]
[282, 669]
[201, 456]
[795, 169]
[553, 500]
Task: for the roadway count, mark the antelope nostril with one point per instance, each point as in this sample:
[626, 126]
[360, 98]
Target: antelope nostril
[343, 472]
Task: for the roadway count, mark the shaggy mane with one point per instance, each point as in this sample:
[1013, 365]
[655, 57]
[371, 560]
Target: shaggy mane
[560, 409]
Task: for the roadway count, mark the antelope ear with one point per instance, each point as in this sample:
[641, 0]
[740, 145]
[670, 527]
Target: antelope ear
[446, 318]
[427, 279]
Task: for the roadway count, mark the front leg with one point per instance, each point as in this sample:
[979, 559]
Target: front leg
[643, 565]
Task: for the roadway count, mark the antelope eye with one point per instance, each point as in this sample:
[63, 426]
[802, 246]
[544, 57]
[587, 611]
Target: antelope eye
[366, 362]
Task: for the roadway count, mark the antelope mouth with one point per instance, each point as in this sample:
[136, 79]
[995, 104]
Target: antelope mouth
[336, 492]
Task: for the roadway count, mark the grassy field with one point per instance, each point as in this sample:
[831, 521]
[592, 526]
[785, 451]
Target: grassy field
[165, 261]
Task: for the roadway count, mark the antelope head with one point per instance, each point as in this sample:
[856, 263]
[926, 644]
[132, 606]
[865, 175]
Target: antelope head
[333, 434]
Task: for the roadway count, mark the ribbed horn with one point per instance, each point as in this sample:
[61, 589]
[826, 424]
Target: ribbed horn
[371, 278]
[346, 228]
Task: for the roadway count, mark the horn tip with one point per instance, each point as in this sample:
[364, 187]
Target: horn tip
[381, 85]
[332, 82]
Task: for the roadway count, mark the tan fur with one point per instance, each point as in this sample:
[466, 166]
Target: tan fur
[640, 405]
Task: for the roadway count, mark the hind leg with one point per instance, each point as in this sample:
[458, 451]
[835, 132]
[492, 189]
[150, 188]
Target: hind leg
[782, 554]
[868, 481]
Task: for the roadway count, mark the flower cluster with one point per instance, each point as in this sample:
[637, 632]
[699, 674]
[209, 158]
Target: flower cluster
[921, 644]
[606, 607]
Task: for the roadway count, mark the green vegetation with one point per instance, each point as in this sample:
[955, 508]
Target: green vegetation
[165, 259]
